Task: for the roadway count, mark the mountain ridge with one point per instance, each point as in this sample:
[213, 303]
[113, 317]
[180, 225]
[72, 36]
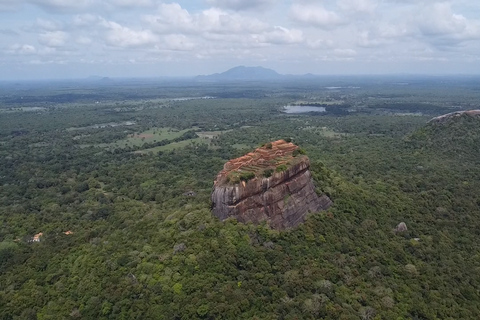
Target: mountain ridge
[244, 73]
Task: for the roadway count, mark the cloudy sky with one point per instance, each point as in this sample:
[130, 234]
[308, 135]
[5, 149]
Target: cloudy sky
[79, 38]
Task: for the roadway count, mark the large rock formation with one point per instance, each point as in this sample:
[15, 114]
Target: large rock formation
[446, 117]
[271, 184]
[455, 135]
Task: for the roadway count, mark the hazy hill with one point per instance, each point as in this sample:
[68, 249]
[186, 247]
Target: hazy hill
[242, 73]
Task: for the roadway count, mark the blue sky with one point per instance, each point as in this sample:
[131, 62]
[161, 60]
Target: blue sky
[148, 38]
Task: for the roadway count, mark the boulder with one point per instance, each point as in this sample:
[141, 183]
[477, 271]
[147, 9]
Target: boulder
[401, 227]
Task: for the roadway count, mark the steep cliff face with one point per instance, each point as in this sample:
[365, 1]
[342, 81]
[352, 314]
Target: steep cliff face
[271, 184]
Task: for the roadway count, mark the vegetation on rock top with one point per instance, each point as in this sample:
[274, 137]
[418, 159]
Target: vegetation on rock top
[272, 157]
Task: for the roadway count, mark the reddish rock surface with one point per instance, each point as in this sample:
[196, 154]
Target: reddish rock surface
[282, 200]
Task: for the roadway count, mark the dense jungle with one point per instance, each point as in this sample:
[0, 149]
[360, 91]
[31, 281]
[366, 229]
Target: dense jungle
[105, 209]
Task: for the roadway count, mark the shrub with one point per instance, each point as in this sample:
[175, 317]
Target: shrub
[281, 168]
[267, 173]
[245, 176]
[82, 187]
[233, 178]
[298, 151]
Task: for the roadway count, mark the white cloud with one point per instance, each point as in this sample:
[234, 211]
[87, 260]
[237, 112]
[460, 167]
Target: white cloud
[365, 40]
[433, 23]
[240, 4]
[199, 33]
[176, 42]
[8, 32]
[47, 25]
[439, 25]
[357, 6]
[53, 39]
[384, 33]
[281, 35]
[315, 15]
[172, 18]
[120, 36]
[23, 49]
[218, 21]
[86, 20]
[7, 5]
[132, 3]
[82, 40]
[319, 43]
[345, 52]
[64, 5]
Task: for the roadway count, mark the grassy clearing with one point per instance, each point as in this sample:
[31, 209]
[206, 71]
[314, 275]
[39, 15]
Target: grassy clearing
[149, 136]
[174, 145]
[210, 134]
[326, 132]
[204, 137]
[158, 134]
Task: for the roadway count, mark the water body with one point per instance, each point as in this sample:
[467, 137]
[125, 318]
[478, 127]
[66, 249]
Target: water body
[336, 88]
[192, 98]
[302, 109]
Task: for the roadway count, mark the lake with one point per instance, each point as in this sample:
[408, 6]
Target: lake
[302, 109]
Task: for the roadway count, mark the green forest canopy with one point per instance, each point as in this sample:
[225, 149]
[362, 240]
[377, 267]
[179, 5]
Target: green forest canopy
[141, 247]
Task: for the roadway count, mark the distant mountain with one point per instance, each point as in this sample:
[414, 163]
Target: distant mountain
[242, 73]
[94, 78]
[106, 79]
[102, 79]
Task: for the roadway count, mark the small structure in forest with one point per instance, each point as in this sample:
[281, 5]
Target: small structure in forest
[36, 238]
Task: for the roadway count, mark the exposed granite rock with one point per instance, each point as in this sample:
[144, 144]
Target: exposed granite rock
[401, 227]
[282, 198]
[448, 116]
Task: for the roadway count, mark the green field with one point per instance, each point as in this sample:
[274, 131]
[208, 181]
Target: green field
[151, 135]
[173, 145]
[204, 137]
[210, 134]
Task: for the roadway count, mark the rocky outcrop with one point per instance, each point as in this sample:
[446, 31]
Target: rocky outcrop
[401, 227]
[446, 117]
[271, 184]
